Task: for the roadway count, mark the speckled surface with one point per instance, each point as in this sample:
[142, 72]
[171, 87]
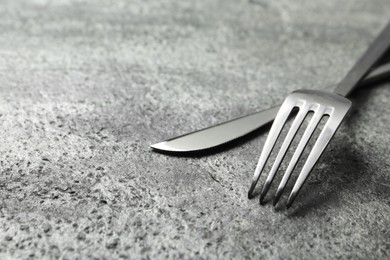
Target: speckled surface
[87, 86]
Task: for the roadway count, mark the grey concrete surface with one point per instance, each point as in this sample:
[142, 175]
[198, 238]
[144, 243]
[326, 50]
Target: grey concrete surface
[87, 86]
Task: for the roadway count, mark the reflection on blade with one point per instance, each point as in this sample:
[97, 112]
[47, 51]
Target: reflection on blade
[223, 133]
[219, 134]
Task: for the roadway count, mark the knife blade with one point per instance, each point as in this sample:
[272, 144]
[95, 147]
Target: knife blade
[214, 136]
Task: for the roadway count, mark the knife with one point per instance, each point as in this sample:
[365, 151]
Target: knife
[231, 130]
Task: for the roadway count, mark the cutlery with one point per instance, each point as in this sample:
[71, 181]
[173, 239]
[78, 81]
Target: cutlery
[321, 103]
[223, 133]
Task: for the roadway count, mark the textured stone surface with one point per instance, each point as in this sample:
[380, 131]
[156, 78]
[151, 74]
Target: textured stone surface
[87, 86]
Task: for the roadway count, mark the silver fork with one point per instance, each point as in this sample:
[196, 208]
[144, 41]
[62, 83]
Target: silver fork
[322, 103]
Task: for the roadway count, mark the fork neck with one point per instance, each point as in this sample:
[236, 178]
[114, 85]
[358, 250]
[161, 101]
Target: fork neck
[366, 63]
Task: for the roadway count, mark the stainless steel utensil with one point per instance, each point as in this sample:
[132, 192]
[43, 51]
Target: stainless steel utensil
[333, 104]
[220, 134]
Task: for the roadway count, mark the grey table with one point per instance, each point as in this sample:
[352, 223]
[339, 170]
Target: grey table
[87, 86]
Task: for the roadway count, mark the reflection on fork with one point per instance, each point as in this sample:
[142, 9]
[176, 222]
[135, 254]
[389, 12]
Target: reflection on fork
[322, 103]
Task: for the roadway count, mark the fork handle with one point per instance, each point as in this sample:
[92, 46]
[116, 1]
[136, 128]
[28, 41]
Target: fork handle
[366, 63]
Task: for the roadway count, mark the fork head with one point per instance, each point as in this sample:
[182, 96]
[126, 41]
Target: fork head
[321, 103]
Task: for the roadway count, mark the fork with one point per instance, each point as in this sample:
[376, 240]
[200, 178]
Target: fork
[321, 103]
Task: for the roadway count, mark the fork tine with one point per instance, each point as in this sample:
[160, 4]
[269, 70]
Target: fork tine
[318, 114]
[282, 152]
[274, 133]
[323, 140]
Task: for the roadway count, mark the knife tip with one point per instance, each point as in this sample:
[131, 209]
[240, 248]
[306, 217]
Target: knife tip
[155, 146]
[160, 146]
[167, 146]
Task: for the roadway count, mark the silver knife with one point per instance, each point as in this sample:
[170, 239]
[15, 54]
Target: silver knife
[223, 133]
